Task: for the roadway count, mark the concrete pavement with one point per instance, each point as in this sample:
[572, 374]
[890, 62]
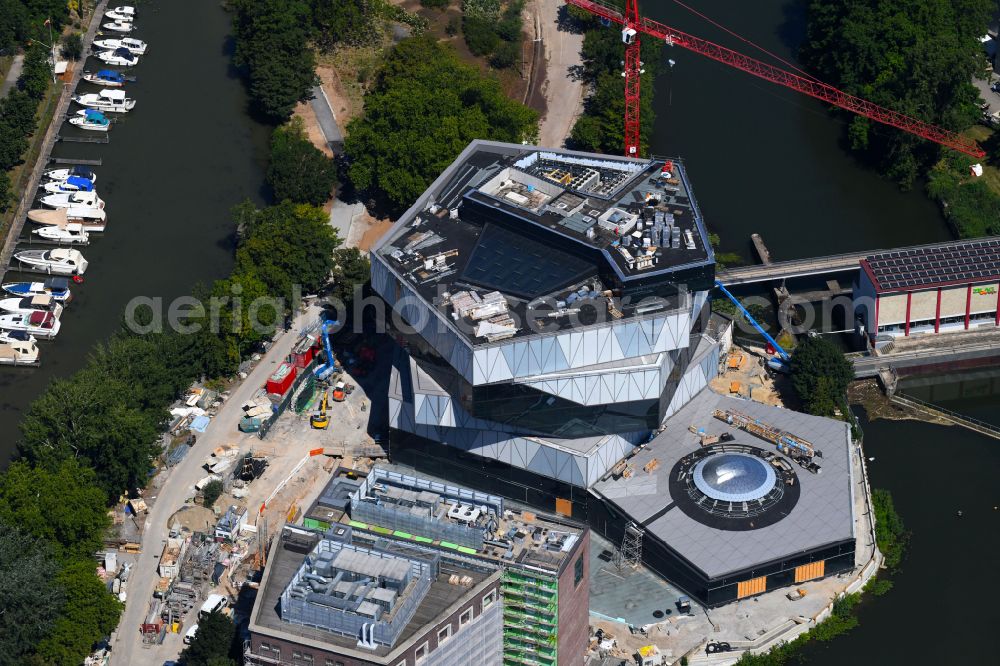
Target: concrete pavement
[179, 486]
[327, 120]
[12, 75]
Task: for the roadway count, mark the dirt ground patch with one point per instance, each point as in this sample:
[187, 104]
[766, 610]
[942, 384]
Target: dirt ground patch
[744, 375]
[193, 518]
[305, 111]
[375, 230]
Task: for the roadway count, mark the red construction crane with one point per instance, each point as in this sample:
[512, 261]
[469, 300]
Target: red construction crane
[633, 24]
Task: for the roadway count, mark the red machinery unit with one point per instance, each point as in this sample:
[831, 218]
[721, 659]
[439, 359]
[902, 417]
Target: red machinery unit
[282, 378]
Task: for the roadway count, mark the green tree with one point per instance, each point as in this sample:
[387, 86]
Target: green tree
[89, 416]
[424, 109]
[62, 505]
[891, 534]
[480, 35]
[820, 374]
[343, 22]
[272, 44]
[210, 493]
[506, 55]
[211, 645]
[36, 75]
[72, 47]
[297, 170]
[28, 598]
[91, 612]
[917, 57]
[287, 245]
[351, 269]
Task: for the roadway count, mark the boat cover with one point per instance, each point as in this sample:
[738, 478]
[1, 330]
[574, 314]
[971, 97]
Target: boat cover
[82, 184]
[57, 284]
[123, 52]
[18, 335]
[39, 318]
[81, 172]
[111, 75]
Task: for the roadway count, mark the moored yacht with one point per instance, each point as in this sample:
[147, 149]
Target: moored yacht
[135, 46]
[91, 219]
[89, 119]
[18, 348]
[120, 56]
[71, 172]
[105, 77]
[60, 261]
[57, 288]
[73, 233]
[71, 184]
[27, 304]
[73, 200]
[107, 101]
[118, 26]
[43, 325]
[121, 13]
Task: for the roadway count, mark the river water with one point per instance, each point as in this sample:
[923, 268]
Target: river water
[766, 160]
[175, 165]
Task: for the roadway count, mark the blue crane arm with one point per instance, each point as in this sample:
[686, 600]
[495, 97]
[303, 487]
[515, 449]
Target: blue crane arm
[327, 325]
[753, 322]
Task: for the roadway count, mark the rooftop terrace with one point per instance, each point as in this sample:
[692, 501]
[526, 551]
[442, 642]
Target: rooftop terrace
[549, 235]
[422, 510]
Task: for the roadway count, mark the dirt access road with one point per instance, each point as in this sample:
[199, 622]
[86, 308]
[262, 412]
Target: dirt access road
[127, 642]
[562, 90]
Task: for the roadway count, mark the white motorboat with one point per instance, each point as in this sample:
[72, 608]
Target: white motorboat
[89, 119]
[71, 184]
[72, 172]
[25, 304]
[120, 56]
[71, 234]
[18, 348]
[57, 288]
[73, 200]
[60, 261]
[107, 101]
[43, 325]
[92, 219]
[118, 26]
[105, 77]
[121, 13]
[135, 46]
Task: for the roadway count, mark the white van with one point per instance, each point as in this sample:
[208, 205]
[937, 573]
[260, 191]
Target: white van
[215, 602]
[189, 636]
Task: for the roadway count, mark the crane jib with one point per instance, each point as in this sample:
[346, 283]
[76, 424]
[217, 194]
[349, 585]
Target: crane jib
[820, 91]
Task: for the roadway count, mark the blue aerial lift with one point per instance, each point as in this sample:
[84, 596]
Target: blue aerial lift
[324, 371]
[779, 363]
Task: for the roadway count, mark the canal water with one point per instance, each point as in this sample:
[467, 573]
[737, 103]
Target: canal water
[767, 160]
[174, 167]
[764, 159]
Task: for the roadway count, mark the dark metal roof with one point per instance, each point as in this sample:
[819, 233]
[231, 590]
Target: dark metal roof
[949, 263]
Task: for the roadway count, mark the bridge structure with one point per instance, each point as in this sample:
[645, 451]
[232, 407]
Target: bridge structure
[794, 268]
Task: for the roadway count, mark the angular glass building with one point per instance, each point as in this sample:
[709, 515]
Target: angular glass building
[549, 305]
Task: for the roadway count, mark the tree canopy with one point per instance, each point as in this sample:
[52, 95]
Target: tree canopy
[90, 613]
[423, 110]
[272, 43]
[62, 505]
[820, 375]
[285, 245]
[917, 57]
[297, 169]
[211, 645]
[28, 599]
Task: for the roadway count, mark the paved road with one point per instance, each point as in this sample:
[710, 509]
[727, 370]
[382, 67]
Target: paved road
[15, 71]
[563, 92]
[179, 486]
[327, 121]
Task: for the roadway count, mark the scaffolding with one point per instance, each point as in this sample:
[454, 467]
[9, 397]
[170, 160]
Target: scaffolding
[630, 554]
[530, 618]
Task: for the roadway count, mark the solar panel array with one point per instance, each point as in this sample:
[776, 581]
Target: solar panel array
[972, 261]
